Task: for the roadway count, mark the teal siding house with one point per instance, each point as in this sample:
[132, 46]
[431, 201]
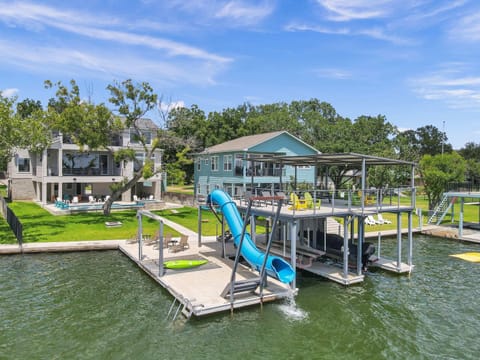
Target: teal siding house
[230, 165]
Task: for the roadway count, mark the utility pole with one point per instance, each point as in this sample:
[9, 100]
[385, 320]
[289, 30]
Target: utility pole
[443, 137]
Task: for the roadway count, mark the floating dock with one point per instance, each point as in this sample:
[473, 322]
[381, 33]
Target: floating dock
[198, 291]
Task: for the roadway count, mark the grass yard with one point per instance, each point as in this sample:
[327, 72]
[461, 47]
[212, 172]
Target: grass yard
[41, 226]
[181, 189]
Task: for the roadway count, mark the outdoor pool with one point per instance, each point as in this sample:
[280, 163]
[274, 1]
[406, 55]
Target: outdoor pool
[99, 305]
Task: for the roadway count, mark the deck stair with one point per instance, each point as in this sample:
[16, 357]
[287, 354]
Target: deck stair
[241, 286]
[333, 226]
[441, 210]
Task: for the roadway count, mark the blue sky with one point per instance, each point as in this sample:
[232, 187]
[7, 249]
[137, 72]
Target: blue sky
[414, 61]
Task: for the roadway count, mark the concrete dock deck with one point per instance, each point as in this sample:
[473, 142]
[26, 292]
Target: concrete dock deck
[199, 289]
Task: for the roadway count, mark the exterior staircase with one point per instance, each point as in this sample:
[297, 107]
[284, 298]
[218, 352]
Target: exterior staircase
[441, 210]
[334, 227]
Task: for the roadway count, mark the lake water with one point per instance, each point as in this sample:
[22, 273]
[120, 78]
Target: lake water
[99, 305]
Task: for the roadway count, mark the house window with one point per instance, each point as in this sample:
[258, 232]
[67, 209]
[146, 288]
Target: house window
[137, 166]
[227, 163]
[238, 165]
[214, 163]
[134, 137]
[199, 164]
[23, 165]
[304, 167]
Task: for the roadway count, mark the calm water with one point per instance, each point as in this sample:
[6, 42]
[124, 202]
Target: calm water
[99, 305]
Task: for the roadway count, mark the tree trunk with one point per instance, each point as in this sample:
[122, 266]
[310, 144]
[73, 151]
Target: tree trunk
[107, 206]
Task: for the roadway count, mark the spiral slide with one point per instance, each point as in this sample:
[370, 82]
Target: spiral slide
[276, 267]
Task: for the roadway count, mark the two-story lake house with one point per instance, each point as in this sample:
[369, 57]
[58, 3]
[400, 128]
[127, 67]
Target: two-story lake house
[231, 165]
[64, 171]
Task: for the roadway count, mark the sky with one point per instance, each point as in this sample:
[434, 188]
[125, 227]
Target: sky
[414, 61]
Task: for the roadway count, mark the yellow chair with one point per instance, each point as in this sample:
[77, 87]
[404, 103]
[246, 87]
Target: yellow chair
[309, 201]
[297, 204]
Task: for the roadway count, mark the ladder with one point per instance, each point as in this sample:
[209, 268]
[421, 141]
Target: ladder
[249, 285]
[441, 210]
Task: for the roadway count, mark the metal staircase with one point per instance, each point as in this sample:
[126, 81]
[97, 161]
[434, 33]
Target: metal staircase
[441, 210]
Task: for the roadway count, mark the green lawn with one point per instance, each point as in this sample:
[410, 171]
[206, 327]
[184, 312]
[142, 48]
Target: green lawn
[3, 190]
[182, 189]
[188, 217]
[41, 226]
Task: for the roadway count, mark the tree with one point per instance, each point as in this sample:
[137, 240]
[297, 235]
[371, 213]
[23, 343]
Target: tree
[133, 102]
[437, 171]
[177, 170]
[8, 129]
[471, 153]
[26, 128]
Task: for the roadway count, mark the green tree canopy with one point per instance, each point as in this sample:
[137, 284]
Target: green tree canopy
[9, 130]
[437, 171]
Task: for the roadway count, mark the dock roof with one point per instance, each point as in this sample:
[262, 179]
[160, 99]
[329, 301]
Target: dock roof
[336, 159]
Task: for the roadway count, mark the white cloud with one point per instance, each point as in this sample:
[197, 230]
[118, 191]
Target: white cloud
[106, 64]
[84, 24]
[166, 107]
[467, 28]
[346, 10]
[244, 13]
[452, 84]
[375, 33]
[332, 73]
[9, 92]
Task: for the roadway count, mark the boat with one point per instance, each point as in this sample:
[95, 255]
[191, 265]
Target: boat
[334, 248]
[183, 263]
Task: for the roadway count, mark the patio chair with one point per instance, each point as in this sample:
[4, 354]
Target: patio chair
[167, 241]
[75, 200]
[91, 199]
[133, 239]
[283, 196]
[182, 244]
[267, 194]
[310, 203]
[152, 240]
[382, 220]
[369, 220]
[297, 204]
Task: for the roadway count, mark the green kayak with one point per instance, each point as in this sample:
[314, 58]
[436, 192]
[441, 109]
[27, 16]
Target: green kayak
[183, 264]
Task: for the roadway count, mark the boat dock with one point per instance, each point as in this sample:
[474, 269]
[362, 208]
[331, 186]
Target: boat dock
[198, 291]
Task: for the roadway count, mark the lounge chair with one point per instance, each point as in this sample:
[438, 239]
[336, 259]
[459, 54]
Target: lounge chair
[381, 220]
[310, 203]
[369, 220]
[182, 244]
[297, 204]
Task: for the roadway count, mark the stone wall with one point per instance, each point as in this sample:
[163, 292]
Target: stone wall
[22, 189]
[184, 199]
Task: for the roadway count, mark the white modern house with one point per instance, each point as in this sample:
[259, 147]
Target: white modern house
[65, 171]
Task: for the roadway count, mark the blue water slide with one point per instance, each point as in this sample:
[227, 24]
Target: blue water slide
[275, 266]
